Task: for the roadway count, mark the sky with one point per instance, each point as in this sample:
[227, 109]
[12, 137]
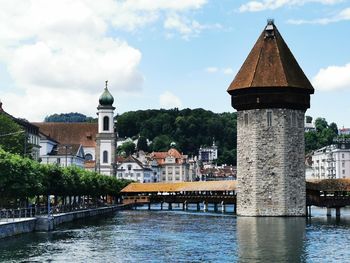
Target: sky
[55, 55]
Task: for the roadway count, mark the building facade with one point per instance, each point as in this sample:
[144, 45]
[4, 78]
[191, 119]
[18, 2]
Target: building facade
[331, 162]
[132, 169]
[208, 154]
[271, 94]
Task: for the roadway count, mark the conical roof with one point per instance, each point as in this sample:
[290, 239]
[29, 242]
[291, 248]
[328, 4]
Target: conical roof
[270, 64]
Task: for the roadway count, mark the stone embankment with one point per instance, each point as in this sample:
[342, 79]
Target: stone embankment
[44, 223]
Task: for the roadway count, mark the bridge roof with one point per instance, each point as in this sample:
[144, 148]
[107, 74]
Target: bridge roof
[180, 187]
[330, 185]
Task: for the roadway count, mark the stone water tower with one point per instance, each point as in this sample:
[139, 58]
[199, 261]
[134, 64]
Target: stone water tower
[271, 94]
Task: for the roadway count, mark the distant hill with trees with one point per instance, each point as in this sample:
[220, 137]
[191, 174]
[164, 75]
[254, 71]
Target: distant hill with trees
[188, 128]
[69, 117]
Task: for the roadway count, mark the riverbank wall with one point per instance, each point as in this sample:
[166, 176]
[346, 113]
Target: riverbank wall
[45, 223]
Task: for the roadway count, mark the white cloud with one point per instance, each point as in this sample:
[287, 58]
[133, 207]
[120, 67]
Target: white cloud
[168, 100]
[226, 71]
[255, 6]
[333, 78]
[341, 16]
[58, 53]
[211, 69]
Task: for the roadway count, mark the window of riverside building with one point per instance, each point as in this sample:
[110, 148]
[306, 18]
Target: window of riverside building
[105, 123]
[246, 119]
[269, 118]
[88, 157]
[105, 157]
[342, 156]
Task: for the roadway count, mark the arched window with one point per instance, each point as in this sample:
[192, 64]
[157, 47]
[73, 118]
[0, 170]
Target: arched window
[105, 157]
[105, 123]
[88, 157]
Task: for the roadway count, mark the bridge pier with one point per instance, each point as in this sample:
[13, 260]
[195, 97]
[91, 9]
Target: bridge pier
[205, 206]
[198, 207]
[149, 206]
[235, 209]
[329, 211]
[161, 205]
[337, 212]
[170, 206]
[185, 206]
[223, 207]
[215, 207]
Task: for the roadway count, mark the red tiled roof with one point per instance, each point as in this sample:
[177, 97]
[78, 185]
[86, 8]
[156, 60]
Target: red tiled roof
[70, 133]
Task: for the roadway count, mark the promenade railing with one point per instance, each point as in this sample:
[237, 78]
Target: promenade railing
[8, 215]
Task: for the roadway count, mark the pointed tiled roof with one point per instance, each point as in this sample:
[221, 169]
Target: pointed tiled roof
[270, 64]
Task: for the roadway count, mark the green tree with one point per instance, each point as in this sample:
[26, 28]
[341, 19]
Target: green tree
[161, 143]
[142, 144]
[127, 147]
[12, 136]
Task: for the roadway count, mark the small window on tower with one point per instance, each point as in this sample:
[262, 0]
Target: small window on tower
[294, 119]
[269, 118]
[105, 157]
[246, 119]
[105, 123]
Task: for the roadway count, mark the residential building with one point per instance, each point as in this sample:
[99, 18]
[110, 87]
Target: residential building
[332, 161]
[132, 169]
[344, 131]
[173, 166]
[208, 154]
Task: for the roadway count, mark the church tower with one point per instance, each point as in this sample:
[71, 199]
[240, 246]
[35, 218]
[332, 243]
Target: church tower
[106, 138]
[271, 94]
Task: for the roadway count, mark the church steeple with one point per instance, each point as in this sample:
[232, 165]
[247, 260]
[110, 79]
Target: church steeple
[106, 137]
[106, 99]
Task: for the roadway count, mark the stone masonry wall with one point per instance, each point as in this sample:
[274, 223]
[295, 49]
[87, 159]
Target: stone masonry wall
[270, 164]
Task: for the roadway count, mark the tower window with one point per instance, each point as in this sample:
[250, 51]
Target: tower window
[105, 123]
[246, 119]
[105, 156]
[294, 119]
[269, 118]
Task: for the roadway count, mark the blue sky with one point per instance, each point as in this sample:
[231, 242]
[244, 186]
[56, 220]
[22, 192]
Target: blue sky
[55, 55]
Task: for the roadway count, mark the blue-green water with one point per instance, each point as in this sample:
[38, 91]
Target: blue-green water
[176, 236]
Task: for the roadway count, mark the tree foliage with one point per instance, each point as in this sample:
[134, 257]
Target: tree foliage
[69, 117]
[12, 136]
[323, 136]
[190, 129]
[25, 178]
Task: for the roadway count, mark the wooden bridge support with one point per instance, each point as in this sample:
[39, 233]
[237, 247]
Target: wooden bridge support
[215, 207]
[329, 211]
[235, 209]
[205, 206]
[161, 205]
[170, 206]
[223, 207]
[198, 207]
[149, 206]
[337, 212]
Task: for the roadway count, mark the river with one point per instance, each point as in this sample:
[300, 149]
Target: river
[176, 236]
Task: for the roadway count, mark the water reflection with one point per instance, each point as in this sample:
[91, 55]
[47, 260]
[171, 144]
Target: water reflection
[270, 239]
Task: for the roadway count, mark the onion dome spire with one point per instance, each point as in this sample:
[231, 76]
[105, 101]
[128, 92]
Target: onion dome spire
[106, 99]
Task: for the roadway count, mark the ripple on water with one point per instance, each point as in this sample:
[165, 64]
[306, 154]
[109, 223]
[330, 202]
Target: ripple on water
[176, 236]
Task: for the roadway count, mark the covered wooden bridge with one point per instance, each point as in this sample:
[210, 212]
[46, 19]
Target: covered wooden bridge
[329, 193]
[185, 193]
